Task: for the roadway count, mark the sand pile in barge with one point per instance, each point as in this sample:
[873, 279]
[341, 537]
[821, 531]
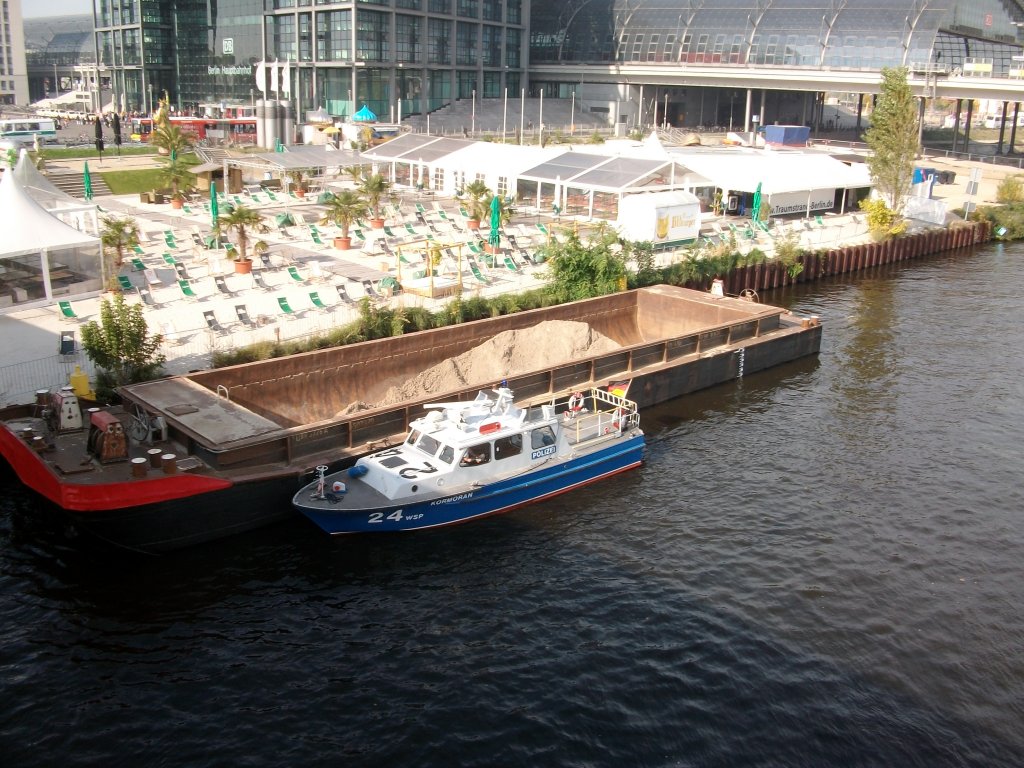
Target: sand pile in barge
[510, 353]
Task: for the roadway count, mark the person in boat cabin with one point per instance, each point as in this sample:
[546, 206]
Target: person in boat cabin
[476, 454]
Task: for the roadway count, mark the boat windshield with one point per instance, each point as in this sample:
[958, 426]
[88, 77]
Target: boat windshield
[428, 445]
[414, 435]
[447, 454]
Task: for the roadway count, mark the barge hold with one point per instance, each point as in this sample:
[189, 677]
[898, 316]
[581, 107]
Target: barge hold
[218, 452]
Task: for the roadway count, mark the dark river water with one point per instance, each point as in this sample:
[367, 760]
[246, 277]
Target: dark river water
[820, 565]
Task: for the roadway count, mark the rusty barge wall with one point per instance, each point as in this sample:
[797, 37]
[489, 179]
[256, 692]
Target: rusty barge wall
[315, 386]
[852, 258]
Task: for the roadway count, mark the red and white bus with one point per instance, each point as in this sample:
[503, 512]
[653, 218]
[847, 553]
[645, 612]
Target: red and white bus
[213, 130]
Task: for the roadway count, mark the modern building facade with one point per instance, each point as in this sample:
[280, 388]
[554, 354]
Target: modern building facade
[425, 53]
[944, 38]
[404, 57]
[56, 50]
[13, 73]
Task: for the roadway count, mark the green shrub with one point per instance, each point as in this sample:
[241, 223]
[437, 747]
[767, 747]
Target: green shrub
[1010, 190]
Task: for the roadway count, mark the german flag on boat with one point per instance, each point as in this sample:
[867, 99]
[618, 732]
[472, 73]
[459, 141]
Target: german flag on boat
[619, 388]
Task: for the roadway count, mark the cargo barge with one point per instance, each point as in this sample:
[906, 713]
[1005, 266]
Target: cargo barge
[194, 458]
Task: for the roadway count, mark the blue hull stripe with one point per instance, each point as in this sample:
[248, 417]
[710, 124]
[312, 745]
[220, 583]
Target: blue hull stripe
[493, 499]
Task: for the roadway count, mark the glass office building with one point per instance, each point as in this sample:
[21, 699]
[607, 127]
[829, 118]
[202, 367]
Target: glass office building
[424, 53]
[197, 51]
[428, 53]
[857, 34]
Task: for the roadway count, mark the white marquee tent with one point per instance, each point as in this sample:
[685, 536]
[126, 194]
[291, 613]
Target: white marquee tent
[38, 249]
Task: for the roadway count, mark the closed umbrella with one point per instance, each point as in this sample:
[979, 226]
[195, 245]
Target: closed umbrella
[99, 136]
[115, 125]
[214, 212]
[87, 181]
[755, 205]
[494, 238]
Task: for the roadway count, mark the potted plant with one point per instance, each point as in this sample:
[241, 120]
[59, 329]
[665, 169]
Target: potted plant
[242, 221]
[344, 208]
[375, 188]
[176, 174]
[298, 182]
[478, 202]
[118, 234]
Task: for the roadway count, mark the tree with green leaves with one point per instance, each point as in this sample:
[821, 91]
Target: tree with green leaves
[118, 234]
[176, 173]
[478, 199]
[242, 220]
[374, 189]
[343, 209]
[120, 346]
[171, 140]
[581, 270]
[892, 139]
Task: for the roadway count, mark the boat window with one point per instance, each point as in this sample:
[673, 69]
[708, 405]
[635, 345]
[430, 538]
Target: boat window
[447, 454]
[414, 435]
[542, 436]
[428, 445]
[476, 454]
[511, 445]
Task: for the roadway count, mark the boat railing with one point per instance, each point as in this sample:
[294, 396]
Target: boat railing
[602, 413]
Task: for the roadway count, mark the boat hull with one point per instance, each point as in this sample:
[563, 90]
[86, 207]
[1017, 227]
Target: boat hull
[473, 503]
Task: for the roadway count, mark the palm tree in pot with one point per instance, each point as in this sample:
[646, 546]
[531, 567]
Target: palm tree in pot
[478, 202]
[117, 234]
[176, 174]
[343, 209]
[242, 221]
[375, 188]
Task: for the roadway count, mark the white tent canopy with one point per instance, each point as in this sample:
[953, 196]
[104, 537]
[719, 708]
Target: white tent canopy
[38, 248]
[77, 213]
[741, 170]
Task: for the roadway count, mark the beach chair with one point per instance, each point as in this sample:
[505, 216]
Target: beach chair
[168, 259]
[242, 312]
[258, 281]
[388, 232]
[316, 238]
[510, 264]
[180, 270]
[475, 269]
[359, 235]
[186, 290]
[170, 241]
[343, 295]
[293, 273]
[543, 229]
[125, 284]
[221, 282]
[371, 291]
[152, 278]
[67, 312]
[271, 196]
[411, 229]
[265, 261]
[212, 323]
[138, 250]
[286, 309]
[819, 221]
[170, 333]
[138, 265]
[147, 298]
[314, 296]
